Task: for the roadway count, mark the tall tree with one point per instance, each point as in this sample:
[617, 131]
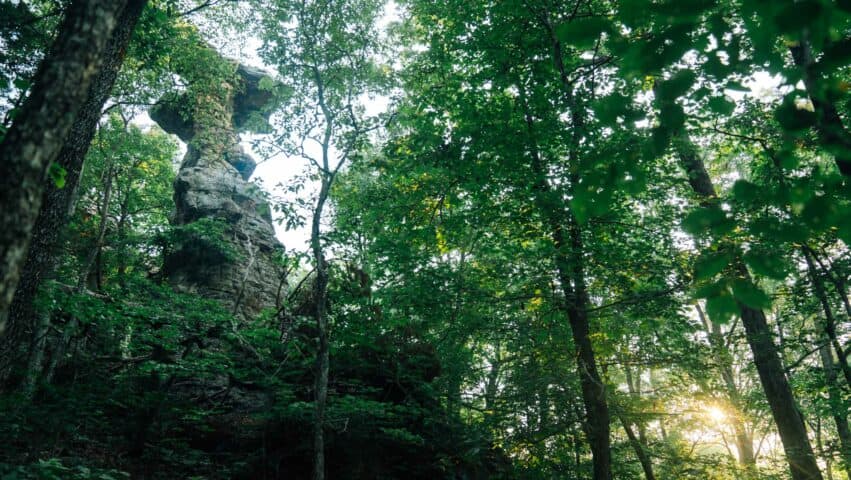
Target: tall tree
[33, 142]
[58, 199]
[328, 59]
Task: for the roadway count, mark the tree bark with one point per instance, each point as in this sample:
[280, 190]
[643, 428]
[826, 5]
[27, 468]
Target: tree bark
[640, 452]
[321, 317]
[568, 260]
[829, 325]
[34, 140]
[778, 393]
[829, 126]
[58, 203]
[840, 416]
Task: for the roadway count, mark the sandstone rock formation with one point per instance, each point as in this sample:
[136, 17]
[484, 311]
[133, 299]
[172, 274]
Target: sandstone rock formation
[240, 268]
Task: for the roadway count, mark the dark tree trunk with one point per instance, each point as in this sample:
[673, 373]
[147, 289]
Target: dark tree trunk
[787, 417]
[829, 325]
[35, 139]
[569, 263]
[837, 402]
[831, 130]
[58, 203]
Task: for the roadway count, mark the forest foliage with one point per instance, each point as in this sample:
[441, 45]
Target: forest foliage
[600, 239]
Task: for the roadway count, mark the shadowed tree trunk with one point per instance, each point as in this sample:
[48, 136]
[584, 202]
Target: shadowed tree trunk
[639, 449]
[778, 393]
[834, 390]
[829, 325]
[568, 248]
[34, 140]
[829, 126]
[58, 203]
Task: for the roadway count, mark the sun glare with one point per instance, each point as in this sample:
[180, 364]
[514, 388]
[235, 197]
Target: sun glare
[716, 414]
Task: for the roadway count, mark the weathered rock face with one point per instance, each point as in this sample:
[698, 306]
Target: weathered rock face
[240, 268]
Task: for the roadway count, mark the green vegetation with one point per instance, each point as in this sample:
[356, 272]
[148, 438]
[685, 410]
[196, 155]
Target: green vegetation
[586, 239]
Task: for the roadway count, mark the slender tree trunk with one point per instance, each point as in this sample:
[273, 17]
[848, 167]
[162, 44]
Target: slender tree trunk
[633, 385]
[838, 409]
[36, 356]
[834, 390]
[829, 325]
[639, 449]
[784, 409]
[69, 329]
[121, 232]
[569, 264]
[321, 297]
[58, 203]
[321, 316]
[744, 440]
[829, 126]
[492, 384]
[36, 137]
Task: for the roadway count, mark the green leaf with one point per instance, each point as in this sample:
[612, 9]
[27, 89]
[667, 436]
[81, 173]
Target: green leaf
[749, 294]
[792, 118]
[21, 83]
[57, 174]
[736, 87]
[836, 55]
[676, 86]
[775, 230]
[722, 307]
[710, 218]
[610, 107]
[721, 106]
[710, 264]
[819, 212]
[766, 264]
[583, 32]
[672, 117]
[797, 16]
[745, 191]
[711, 289]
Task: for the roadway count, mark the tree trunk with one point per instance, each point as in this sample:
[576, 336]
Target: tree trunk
[569, 264]
[832, 132]
[34, 140]
[787, 417]
[36, 356]
[640, 452]
[744, 440]
[829, 325]
[492, 383]
[58, 203]
[321, 316]
[69, 329]
[633, 385]
[840, 416]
